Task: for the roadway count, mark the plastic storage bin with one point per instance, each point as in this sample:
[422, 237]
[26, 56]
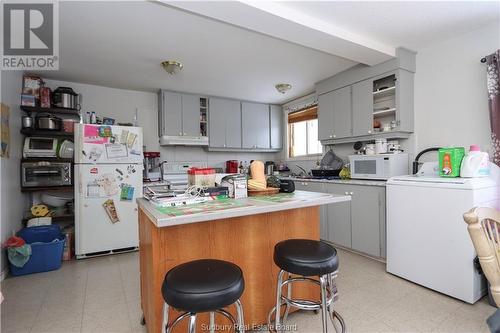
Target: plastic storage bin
[47, 245]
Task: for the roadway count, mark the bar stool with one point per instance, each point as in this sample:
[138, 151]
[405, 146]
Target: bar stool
[205, 285]
[306, 258]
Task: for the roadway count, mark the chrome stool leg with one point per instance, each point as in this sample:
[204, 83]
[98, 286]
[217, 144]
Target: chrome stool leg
[328, 294]
[164, 325]
[240, 321]
[212, 322]
[192, 323]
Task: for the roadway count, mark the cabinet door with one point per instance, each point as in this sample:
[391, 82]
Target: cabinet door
[323, 218]
[276, 123]
[325, 116]
[255, 125]
[342, 113]
[233, 123]
[217, 122]
[404, 100]
[190, 115]
[339, 217]
[362, 108]
[365, 219]
[171, 113]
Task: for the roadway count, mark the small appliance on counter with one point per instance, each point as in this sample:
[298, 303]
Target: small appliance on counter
[44, 173]
[39, 147]
[269, 167]
[65, 97]
[151, 171]
[236, 184]
[287, 186]
[381, 166]
[46, 121]
[232, 166]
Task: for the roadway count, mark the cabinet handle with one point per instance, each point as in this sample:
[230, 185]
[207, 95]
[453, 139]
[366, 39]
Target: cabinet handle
[331, 136]
[334, 136]
[180, 133]
[346, 193]
[369, 132]
[351, 193]
[184, 133]
[305, 184]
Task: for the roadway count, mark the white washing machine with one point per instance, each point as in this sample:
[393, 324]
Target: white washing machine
[427, 238]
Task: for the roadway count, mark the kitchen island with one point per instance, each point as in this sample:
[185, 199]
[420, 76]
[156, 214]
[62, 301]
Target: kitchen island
[242, 231]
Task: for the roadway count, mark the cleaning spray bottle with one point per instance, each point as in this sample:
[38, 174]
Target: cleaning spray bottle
[475, 163]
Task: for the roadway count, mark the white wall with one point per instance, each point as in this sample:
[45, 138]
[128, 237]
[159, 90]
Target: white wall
[450, 91]
[13, 202]
[122, 104]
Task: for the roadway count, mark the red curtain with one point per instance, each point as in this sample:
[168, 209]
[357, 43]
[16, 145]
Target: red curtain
[493, 83]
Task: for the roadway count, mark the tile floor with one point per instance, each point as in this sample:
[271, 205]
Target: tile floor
[102, 295]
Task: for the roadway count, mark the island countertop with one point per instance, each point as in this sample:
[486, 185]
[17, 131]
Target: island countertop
[229, 208]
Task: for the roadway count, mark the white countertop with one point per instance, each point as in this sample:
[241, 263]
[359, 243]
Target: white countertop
[340, 181]
[247, 206]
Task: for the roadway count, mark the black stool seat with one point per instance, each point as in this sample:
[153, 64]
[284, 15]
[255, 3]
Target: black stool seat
[203, 285]
[306, 257]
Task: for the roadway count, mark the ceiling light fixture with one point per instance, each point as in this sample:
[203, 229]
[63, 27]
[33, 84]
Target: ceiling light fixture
[171, 66]
[283, 87]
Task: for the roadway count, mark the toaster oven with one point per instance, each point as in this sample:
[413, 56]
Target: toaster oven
[44, 173]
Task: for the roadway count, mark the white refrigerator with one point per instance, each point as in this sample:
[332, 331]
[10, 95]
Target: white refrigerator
[108, 179]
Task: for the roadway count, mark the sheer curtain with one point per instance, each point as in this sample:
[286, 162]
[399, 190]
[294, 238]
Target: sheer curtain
[493, 83]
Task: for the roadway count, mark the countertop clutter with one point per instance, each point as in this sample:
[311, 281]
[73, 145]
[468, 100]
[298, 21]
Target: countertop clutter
[229, 208]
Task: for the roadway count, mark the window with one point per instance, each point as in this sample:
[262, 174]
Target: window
[303, 133]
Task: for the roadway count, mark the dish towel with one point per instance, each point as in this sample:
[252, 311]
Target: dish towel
[18, 251]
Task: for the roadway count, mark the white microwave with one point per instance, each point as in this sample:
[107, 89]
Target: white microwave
[381, 166]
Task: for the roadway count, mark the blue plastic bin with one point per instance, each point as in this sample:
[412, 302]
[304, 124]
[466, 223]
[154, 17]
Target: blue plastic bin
[47, 245]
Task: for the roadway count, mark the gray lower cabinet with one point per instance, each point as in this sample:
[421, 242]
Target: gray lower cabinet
[225, 123]
[255, 129]
[339, 220]
[360, 223]
[276, 123]
[316, 187]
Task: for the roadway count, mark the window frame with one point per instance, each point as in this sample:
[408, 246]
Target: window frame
[307, 157]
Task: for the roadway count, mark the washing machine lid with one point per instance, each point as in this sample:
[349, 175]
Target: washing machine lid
[437, 181]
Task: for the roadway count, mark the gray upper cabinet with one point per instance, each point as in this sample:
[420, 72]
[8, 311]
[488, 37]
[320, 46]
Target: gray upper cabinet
[380, 104]
[191, 115]
[362, 108]
[334, 115]
[342, 121]
[276, 124]
[170, 113]
[255, 125]
[225, 123]
[325, 116]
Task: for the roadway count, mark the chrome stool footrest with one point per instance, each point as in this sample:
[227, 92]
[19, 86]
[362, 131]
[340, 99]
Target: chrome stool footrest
[328, 296]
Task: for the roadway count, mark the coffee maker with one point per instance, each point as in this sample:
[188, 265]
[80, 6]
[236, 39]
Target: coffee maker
[151, 171]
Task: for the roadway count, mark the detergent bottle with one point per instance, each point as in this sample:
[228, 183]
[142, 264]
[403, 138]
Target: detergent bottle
[475, 163]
